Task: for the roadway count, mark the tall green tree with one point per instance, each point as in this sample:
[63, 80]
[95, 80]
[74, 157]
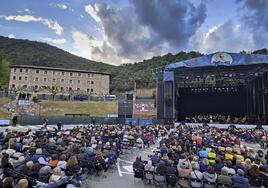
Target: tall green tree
[4, 71]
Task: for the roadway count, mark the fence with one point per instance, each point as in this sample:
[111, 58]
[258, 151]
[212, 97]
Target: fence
[38, 120]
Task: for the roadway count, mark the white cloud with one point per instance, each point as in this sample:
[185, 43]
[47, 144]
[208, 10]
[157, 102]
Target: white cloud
[11, 36]
[225, 37]
[27, 10]
[54, 25]
[61, 6]
[55, 41]
[81, 16]
[85, 46]
[84, 43]
[93, 12]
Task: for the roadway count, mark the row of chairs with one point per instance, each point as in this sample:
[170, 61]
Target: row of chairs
[173, 180]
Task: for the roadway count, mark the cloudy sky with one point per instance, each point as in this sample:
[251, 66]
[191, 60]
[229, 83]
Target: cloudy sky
[127, 31]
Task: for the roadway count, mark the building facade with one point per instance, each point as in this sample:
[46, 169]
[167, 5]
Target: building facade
[49, 81]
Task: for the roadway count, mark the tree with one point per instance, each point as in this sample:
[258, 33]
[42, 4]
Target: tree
[4, 71]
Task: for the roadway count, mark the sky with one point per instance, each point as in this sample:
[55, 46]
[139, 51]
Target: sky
[128, 31]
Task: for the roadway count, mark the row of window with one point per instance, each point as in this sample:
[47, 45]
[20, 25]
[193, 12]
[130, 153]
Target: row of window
[53, 80]
[90, 75]
[53, 88]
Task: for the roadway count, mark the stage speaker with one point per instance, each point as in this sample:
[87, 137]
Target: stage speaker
[125, 109]
[129, 97]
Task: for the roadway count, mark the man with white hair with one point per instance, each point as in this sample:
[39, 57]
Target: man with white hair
[38, 157]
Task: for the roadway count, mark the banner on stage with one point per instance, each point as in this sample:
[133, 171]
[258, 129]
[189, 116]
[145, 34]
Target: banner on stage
[223, 126]
[4, 122]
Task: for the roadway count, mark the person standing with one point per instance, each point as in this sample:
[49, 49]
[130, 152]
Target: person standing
[59, 125]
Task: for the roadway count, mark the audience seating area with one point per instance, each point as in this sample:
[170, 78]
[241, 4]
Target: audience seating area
[206, 157]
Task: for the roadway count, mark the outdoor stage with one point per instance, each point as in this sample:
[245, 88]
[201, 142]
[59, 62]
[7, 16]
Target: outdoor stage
[221, 83]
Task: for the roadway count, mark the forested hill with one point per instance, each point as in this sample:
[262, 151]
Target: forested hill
[26, 52]
[18, 51]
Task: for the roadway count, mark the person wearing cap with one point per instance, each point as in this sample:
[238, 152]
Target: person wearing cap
[240, 180]
[224, 178]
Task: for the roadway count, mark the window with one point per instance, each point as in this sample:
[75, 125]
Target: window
[45, 79]
[62, 80]
[26, 70]
[78, 89]
[14, 77]
[35, 87]
[91, 90]
[54, 73]
[92, 82]
[13, 85]
[71, 74]
[36, 79]
[88, 82]
[20, 70]
[25, 87]
[79, 74]
[70, 89]
[37, 71]
[71, 81]
[26, 77]
[87, 90]
[54, 80]
[45, 72]
[53, 87]
[62, 73]
[79, 81]
[19, 77]
[61, 89]
[15, 70]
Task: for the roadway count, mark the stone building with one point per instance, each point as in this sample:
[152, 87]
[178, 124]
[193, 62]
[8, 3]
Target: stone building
[45, 82]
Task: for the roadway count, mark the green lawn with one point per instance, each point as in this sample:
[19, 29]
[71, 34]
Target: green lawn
[94, 108]
[4, 114]
[4, 100]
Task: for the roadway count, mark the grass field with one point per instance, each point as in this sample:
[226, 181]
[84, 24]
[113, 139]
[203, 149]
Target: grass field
[94, 108]
[4, 114]
[4, 100]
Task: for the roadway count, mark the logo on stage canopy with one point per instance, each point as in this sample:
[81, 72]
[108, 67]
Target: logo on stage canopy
[222, 58]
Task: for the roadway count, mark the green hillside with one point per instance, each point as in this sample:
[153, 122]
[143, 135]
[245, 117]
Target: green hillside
[123, 77]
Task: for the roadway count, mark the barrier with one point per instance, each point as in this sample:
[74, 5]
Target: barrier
[4, 122]
[37, 120]
[223, 126]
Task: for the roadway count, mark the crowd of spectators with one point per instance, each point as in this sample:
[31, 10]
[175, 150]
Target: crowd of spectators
[56, 158]
[216, 119]
[206, 157]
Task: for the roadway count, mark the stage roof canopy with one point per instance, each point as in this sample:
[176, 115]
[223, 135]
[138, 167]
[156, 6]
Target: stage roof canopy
[220, 59]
